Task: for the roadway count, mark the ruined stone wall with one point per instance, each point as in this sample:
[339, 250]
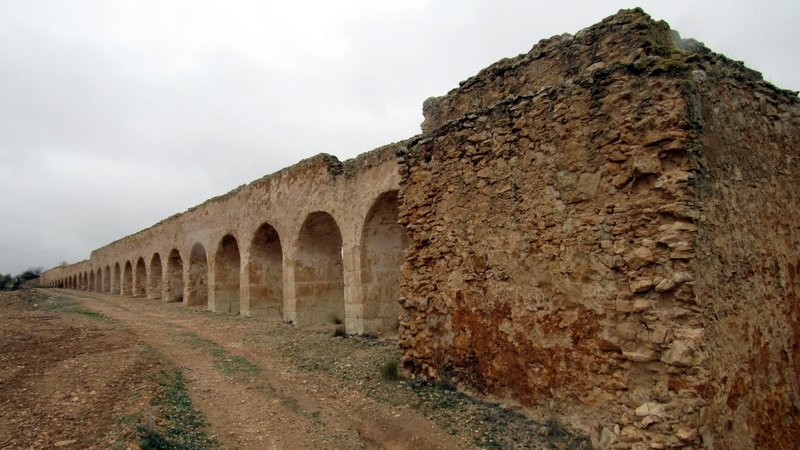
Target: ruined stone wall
[272, 217]
[553, 207]
[550, 62]
[605, 229]
[747, 254]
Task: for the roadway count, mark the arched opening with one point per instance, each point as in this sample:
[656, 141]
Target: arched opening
[140, 278]
[226, 276]
[383, 243]
[91, 281]
[116, 280]
[319, 277]
[127, 279]
[98, 281]
[84, 281]
[173, 284]
[107, 279]
[265, 273]
[197, 287]
[154, 280]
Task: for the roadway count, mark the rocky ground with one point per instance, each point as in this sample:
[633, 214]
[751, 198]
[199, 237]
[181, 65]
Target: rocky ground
[88, 370]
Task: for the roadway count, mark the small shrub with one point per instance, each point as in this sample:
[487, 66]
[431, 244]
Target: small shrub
[340, 331]
[31, 273]
[389, 371]
[5, 281]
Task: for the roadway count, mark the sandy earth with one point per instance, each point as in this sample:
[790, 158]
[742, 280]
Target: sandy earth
[67, 378]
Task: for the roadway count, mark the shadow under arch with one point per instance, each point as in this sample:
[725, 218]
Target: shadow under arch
[227, 268]
[383, 243]
[197, 284]
[318, 271]
[265, 274]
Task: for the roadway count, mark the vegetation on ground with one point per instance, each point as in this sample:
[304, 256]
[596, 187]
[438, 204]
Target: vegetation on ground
[227, 363]
[374, 366]
[10, 283]
[174, 423]
[68, 305]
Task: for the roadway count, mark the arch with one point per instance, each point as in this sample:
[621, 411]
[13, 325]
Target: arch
[91, 280]
[265, 274]
[154, 278]
[98, 280]
[116, 280]
[227, 268]
[107, 279]
[197, 286]
[139, 278]
[84, 281]
[319, 276]
[127, 279]
[173, 283]
[383, 243]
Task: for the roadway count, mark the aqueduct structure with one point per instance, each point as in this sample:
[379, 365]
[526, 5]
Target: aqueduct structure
[605, 229]
[309, 244]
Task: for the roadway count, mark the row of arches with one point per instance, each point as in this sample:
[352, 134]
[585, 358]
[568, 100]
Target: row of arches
[220, 280]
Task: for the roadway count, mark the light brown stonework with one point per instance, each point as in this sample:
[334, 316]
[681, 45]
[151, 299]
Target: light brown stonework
[605, 229]
[294, 244]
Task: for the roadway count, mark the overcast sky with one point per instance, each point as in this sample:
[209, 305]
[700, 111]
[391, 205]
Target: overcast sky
[116, 114]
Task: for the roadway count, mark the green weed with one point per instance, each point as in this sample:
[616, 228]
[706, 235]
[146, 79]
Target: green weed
[68, 305]
[181, 426]
[227, 363]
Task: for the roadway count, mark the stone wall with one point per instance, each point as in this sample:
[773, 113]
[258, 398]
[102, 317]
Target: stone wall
[605, 229]
[298, 244]
[746, 258]
[565, 210]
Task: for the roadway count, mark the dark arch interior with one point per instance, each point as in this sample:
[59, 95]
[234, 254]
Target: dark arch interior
[197, 286]
[265, 273]
[319, 276]
[226, 276]
[173, 283]
[384, 241]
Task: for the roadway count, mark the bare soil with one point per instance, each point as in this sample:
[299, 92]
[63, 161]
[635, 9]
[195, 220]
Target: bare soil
[82, 370]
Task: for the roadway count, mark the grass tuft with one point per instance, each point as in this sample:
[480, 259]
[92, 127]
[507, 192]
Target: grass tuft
[390, 372]
[67, 305]
[180, 426]
[227, 363]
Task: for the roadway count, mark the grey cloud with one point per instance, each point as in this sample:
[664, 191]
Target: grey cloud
[115, 115]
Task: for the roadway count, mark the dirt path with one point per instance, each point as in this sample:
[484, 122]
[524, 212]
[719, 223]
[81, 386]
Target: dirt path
[266, 403]
[259, 384]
